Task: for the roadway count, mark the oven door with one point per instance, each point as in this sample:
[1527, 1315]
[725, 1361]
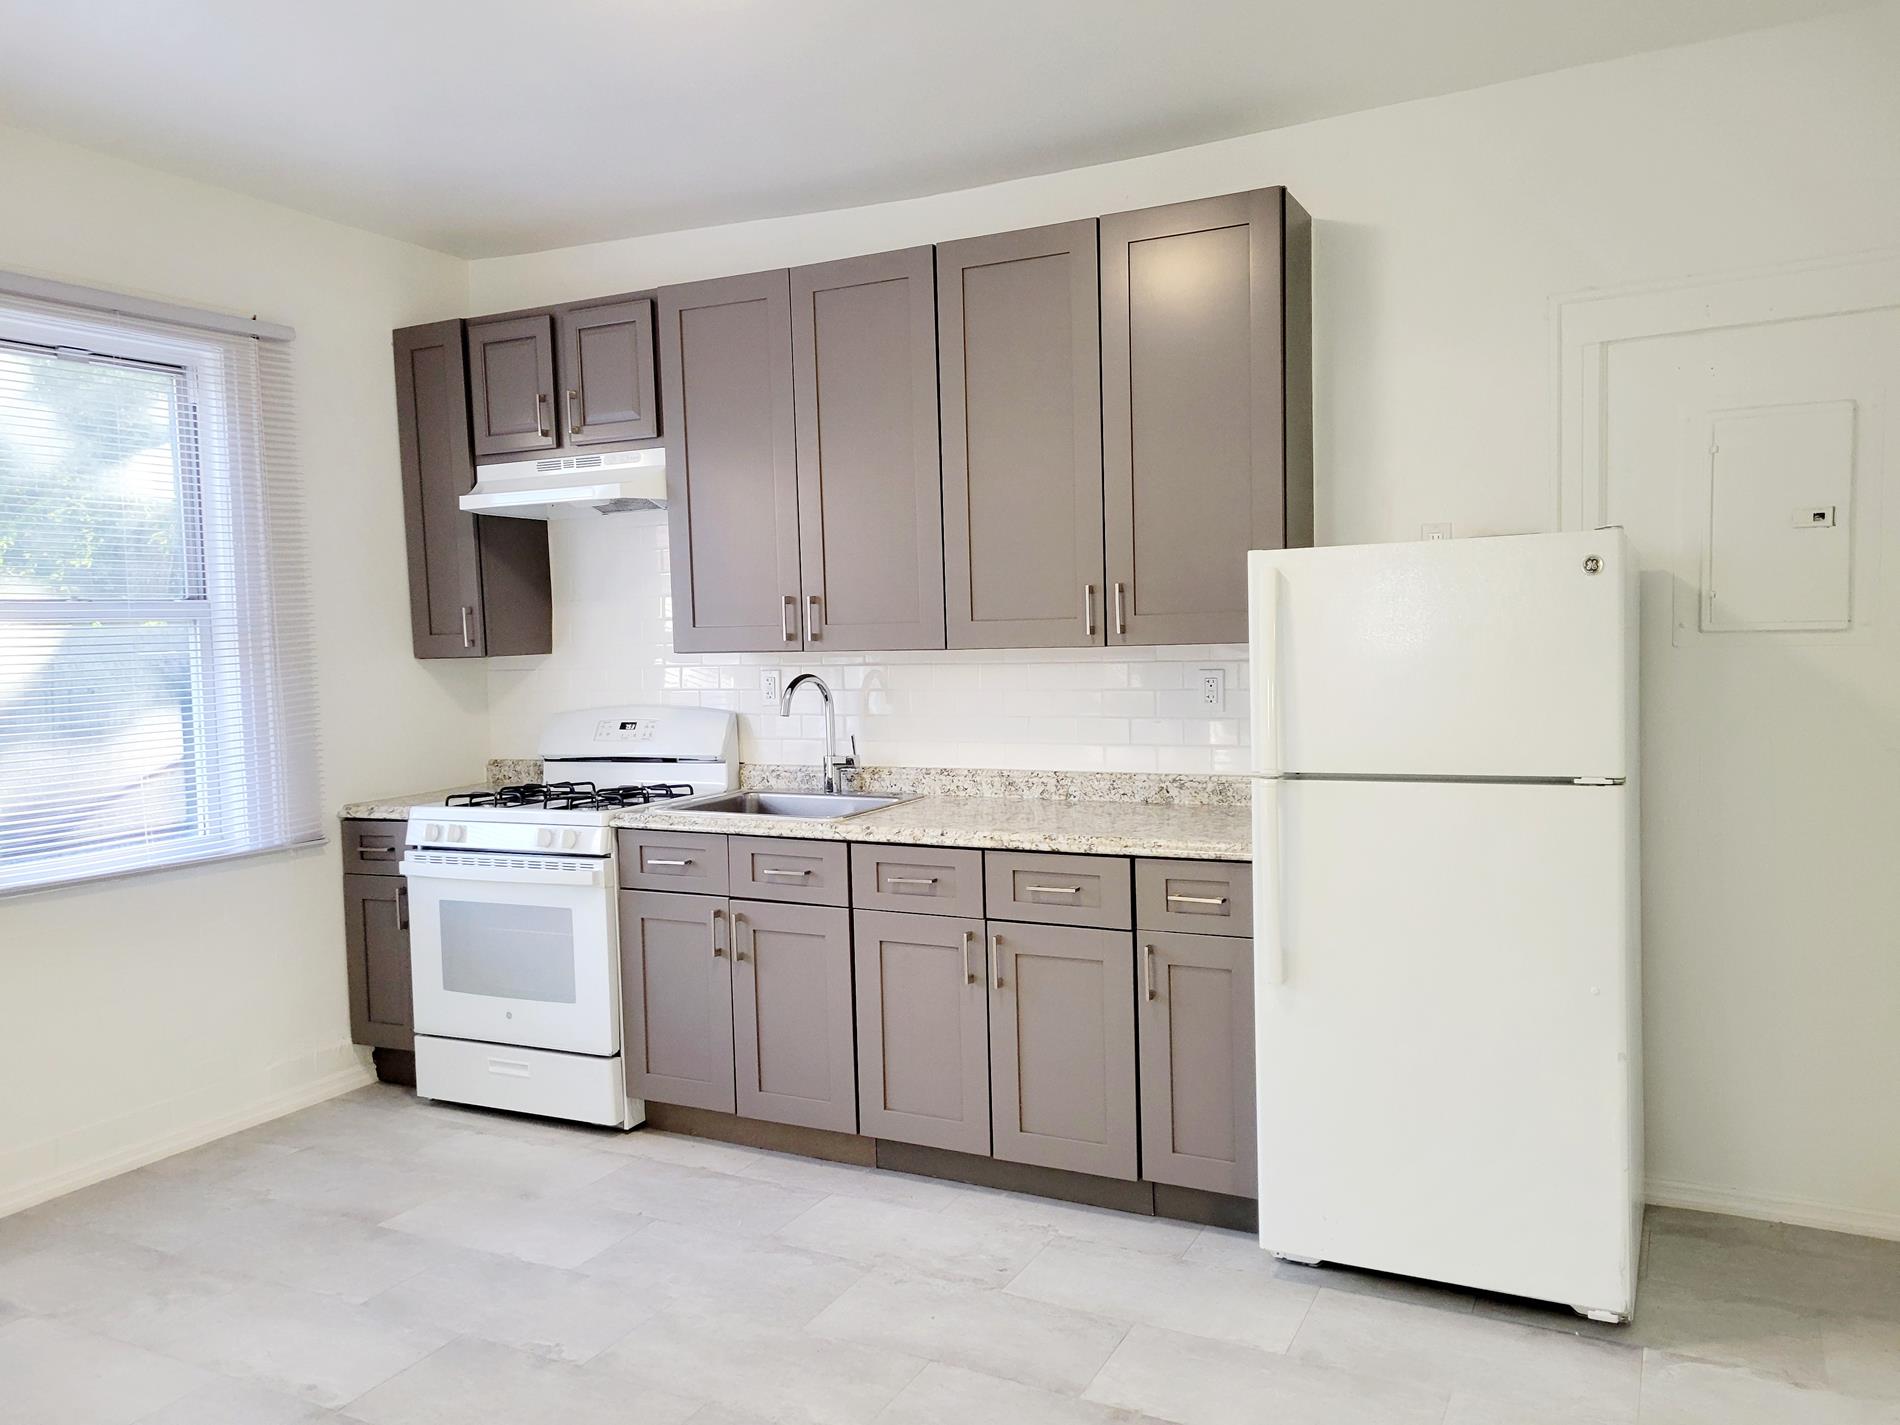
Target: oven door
[515, 949]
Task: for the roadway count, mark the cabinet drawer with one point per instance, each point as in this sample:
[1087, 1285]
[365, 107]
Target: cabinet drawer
[1203, 897]
[1058, 890]
[672, 861]
[772, 868]
[373, 848]
[917, 878]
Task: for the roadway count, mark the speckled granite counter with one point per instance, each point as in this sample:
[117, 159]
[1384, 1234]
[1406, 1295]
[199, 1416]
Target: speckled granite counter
[397, 808]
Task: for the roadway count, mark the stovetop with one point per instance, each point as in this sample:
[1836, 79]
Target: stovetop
[570, 796]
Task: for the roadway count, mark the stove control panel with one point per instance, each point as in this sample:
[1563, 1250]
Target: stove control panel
[434, 830]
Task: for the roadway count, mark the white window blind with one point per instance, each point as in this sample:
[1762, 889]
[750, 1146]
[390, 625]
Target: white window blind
[157, 698]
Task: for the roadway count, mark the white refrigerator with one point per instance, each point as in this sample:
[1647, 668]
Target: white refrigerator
[1445, 882]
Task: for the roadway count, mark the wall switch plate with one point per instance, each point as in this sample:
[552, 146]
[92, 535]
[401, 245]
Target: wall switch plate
[1435, 531]
[1213, 685]
[771, 686]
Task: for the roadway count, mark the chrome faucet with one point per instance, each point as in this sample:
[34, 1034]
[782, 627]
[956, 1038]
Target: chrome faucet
[831, 765]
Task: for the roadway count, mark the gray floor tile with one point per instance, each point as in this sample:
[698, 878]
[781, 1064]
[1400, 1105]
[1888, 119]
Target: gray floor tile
[470, 1382]
[1684, 1392]
[150, 1208]
[231, 1402]
[720, 1274]
[546, 1311]
[54, 1372]
[1053, 1347]
[316, 1251]
[554, 1231]
[510, 1164]
[1103, 1226]
[902, 1239]
[324, 1180]
[1747, 1269]
[1241, 1251]
[105, 1284]
[1862, 1357]
[1135, 1286]
[698, 1197]
[951, 1395]
[1197, 1381]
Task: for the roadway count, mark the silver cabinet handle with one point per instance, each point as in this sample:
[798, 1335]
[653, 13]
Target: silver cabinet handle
[1053, 890]
[814, 618]
[1196, 900]
[739, 923]
[969, 944]
[655, 861]
[541, 404]
[1088, 610]
[468, 626]
[910, 880]
[996, 957]
[718, 919]
[1121, 610]
[1148, 970]
[776, 871]
[573, 412]
[402, 907]
[791, 618]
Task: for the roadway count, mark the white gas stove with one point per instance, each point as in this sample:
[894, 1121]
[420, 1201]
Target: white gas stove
[514, 945]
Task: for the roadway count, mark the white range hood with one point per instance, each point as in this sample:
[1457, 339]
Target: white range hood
[568, 486]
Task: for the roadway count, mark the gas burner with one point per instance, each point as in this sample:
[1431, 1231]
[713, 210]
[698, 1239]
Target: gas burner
[570, 796]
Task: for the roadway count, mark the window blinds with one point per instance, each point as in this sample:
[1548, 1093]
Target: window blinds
[157, 697]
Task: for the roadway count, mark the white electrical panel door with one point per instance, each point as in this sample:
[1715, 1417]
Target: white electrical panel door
[1779, 552]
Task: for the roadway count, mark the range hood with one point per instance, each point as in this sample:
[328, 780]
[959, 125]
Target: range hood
[568, 486]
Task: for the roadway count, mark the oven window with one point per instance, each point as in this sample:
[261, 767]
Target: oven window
[521, 952]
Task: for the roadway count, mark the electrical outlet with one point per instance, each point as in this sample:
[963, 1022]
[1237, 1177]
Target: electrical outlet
[1213, 686]
[1435, 531]
[771, 686]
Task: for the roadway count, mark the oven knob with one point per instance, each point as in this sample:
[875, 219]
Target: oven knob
[570, 839]
[433, 832]
[544, 837]
[456, 833]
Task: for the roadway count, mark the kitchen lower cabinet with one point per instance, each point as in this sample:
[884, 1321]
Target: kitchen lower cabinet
[376, 944]
[792, 1037]
[923, 1030]
[676, 987]
[1062, 1048]
[1197, 1061]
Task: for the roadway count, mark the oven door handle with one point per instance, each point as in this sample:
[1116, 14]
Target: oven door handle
[583, 873]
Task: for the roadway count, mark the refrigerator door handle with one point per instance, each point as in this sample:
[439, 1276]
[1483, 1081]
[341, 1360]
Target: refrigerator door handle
[1263, 627]
[1270, 924]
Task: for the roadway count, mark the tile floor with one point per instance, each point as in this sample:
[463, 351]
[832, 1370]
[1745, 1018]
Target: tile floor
[379, 1260]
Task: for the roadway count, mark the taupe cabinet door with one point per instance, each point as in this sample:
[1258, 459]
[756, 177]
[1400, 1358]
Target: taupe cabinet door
[476, 586]
[511, 374]
[1018, 350]
[608, 391]
[731, 473]
[870, 493]
[1195, 411]
[676, 998]
[923, 1026]
[376, 940]
[791, 1014]
[1197, 1081]
[1062, 1048]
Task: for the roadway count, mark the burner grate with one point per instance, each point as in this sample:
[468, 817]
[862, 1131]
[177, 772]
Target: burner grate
[570, 796]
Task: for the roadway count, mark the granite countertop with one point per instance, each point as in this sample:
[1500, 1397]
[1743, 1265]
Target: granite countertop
[1101, 828]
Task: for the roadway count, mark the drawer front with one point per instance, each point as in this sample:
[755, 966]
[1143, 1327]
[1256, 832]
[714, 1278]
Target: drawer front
[1200, 897]
[536, 1081]
[672, 861]
[917, 878]
[781, 868]
[373, 848]
[1058, 890]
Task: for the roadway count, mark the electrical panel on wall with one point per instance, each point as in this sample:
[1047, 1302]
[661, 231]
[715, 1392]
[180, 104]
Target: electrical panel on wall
[1778, 542]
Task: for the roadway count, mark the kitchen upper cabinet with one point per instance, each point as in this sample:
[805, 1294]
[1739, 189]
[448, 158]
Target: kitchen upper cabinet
[376, 944]
[676, 998]
[608, 392]
[923, 1030]
[476, 585]
[1018, 352]
[870, 495]
[1062, 1048]
[1206, 409]
[1197, 1080]
[731, 464]
[511, 376]
[791, 1014]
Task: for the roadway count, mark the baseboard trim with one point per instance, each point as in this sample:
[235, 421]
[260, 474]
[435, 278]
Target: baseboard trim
[44, 1189]
[1799, 1212]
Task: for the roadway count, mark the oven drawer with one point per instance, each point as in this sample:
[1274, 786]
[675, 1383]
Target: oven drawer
[930, 879]
[782, 868]
[672, 861]
[373, 848]
[1058, 889]
[578, 1086]
[1200, 897]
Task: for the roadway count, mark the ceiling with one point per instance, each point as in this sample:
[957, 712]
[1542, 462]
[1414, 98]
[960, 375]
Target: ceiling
[483, 127]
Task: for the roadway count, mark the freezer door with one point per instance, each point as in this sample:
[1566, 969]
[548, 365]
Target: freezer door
[1507, 657]
[1445, 1024]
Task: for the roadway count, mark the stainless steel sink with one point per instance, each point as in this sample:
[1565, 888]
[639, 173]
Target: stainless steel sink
[812, 806]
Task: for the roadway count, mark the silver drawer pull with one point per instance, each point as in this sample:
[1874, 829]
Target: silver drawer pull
[1197, 900]
[910, 880]
[1053, 890]
[775, 871]
[653, 861]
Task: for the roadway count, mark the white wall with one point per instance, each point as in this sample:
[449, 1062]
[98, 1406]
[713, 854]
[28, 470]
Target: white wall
[1443, 230]
[144, 1013]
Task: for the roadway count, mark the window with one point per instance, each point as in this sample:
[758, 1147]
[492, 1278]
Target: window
[155, 693]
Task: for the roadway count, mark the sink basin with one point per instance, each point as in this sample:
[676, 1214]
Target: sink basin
[811, 806]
